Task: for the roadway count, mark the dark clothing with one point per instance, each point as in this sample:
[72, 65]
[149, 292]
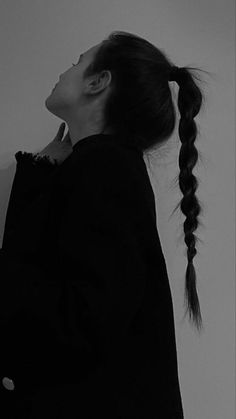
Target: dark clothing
[87, 319]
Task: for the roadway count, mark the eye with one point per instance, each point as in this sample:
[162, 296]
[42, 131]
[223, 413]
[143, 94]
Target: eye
[73, 64]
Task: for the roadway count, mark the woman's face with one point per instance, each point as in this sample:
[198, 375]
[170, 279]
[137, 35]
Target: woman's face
[67, 97]
[78, 101]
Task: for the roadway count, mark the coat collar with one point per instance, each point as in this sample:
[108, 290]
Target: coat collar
[91, 139]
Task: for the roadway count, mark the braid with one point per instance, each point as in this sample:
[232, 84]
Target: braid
[189, 107]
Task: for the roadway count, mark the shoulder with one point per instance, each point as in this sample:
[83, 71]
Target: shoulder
[108, 155]
[105, 160]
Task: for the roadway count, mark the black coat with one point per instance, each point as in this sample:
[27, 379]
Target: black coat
[86, 308]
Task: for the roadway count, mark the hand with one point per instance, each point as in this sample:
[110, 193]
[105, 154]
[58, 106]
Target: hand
[58, 149]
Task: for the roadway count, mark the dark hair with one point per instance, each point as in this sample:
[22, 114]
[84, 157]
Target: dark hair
[141, 113]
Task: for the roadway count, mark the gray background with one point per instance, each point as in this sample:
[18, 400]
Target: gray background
[39, 40]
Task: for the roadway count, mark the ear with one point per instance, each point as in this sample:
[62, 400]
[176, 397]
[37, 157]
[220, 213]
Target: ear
[99, 82]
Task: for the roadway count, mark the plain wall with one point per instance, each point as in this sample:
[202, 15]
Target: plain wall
[39, 40]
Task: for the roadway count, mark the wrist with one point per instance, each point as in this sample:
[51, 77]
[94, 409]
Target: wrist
[45, 157]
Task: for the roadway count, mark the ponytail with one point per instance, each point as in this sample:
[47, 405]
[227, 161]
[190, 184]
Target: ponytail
[141, 112]
[189, 104]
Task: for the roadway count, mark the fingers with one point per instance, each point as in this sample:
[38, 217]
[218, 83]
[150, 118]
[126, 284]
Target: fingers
[60, 131]
[67, 137]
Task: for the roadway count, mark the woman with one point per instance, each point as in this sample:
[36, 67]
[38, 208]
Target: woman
[90, 325]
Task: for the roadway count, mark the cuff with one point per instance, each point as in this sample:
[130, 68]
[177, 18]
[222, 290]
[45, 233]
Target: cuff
[34, 159]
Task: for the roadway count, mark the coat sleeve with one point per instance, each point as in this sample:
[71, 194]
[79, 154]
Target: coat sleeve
[31, 174]
[101, 255]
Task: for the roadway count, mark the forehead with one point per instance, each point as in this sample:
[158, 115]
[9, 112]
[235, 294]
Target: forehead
[91, 51]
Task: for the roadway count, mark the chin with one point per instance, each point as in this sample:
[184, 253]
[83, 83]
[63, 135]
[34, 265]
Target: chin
[52, 107]
[49, 104]
[46, 102]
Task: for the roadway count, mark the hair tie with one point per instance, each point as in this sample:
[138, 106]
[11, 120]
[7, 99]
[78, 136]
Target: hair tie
[175, 74]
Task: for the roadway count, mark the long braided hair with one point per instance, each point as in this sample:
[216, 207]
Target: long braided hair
[140, 111]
